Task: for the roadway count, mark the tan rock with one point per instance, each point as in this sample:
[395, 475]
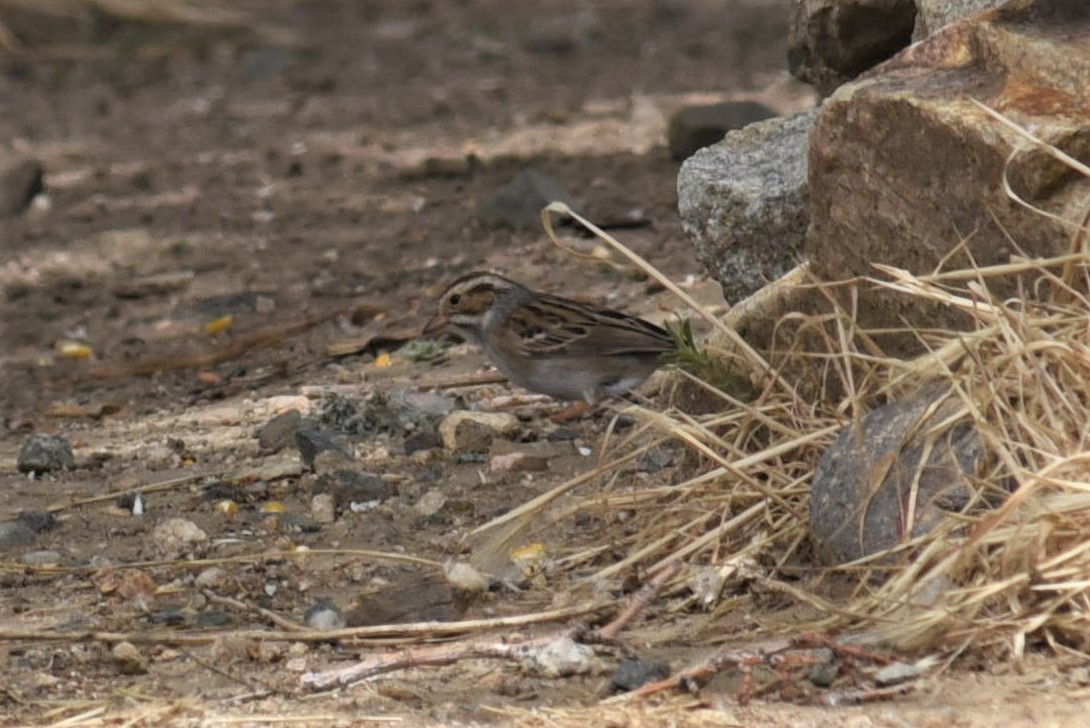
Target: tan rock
[468, 431]
[904, 165]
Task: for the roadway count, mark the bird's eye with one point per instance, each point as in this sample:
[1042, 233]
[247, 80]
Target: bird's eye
[455, 299]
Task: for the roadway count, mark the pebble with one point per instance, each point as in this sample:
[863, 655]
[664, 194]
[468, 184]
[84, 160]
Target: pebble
[325, 616]
[562, 657]
[311, 442]
[279, 432]
[430, 503]
[44, 454]
[211, 578]
[14, 534]
[178, 537]
[631, 674]
[323, 508]
[128, 659]
[467, 431]
[354, 486]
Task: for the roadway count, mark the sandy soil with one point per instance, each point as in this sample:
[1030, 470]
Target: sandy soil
[317, 186]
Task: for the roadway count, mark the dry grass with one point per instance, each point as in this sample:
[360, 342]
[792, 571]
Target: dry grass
[1007, 576]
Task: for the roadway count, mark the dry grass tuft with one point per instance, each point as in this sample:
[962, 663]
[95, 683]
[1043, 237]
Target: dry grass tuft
[994, 576]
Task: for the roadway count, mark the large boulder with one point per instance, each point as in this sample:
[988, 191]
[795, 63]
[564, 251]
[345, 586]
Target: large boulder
[905, 165]
[932, 15]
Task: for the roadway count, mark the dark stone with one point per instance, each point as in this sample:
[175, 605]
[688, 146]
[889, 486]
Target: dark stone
[833, 41]
[875, 472]
[279, 432]
[37, 521]
[19, 183]
[518, 204]
[695, 127]
[631, 674]
[351, 486]
[311, 442]
[422, 440]
[15, 534]
[44, 454]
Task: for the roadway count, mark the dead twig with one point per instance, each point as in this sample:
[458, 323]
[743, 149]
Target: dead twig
[647, 594]
[438, 655]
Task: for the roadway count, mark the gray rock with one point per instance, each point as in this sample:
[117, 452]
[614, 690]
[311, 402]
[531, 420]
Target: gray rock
[44, 454]
[833, 41]
[19, 183]
[279, 432]
[931, 15]
[352, 486]
[863, 484]
[312, 442]
[631, 674]
[41, 558]
[745, 202]
[695, 127]
[518, 204]
[325, 616]
[14, 534]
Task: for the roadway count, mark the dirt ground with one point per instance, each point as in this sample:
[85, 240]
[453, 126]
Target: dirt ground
[221, 208]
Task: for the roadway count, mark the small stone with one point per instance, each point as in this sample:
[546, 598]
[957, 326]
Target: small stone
[631, 674]
[128, 659]
[279, 432]
[430, 503]
[896, 673]
[37, 521]
[14, 534]
[562, 657]
[20, 182]
[178, 537]
[211, 578]
[325, 616]
[44, 454]
[518, 462]
[825, 674]
[655, 459]
[467, 431]
[323, 508]
[352, 486]
[695, 127]
[518, 204]
[41, 558]
[422, 440]
[311, 442]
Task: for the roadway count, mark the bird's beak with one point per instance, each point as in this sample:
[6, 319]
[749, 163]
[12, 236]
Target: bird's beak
[435, 324]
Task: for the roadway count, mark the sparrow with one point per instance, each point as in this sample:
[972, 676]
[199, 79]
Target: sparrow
[549, 344]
